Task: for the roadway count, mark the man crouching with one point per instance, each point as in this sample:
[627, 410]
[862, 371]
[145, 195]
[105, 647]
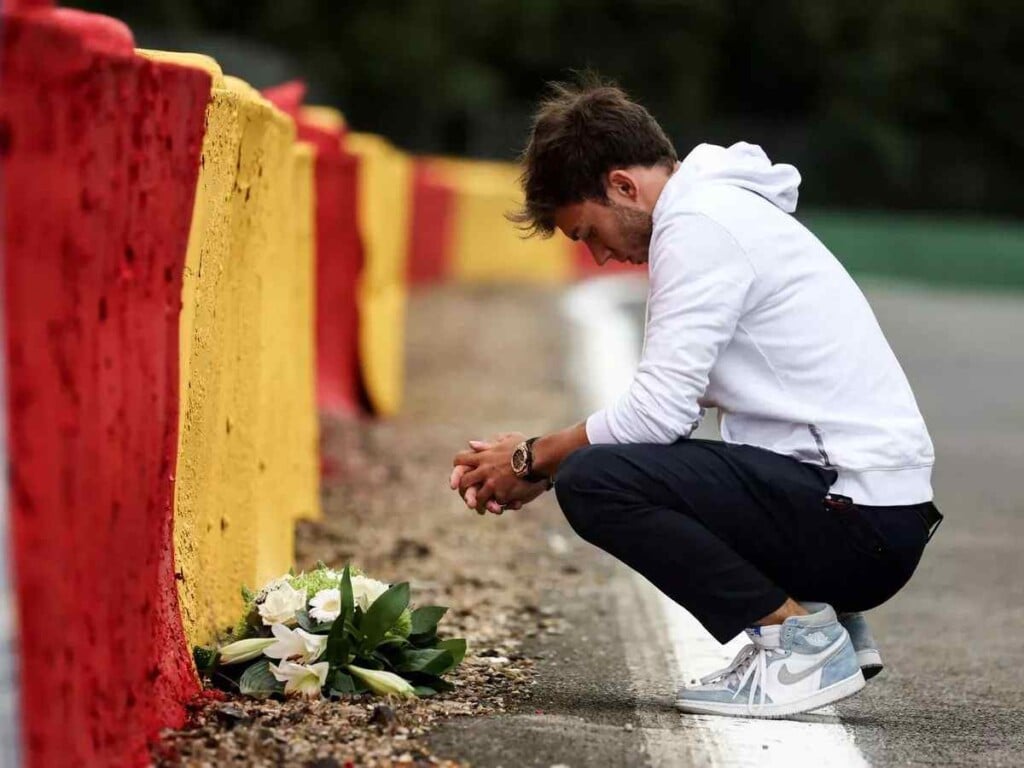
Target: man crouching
[817, 504]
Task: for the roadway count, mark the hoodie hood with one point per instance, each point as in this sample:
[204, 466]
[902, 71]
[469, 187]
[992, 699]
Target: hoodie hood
[741, 165]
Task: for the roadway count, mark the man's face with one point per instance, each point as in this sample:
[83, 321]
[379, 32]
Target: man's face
[617, 229]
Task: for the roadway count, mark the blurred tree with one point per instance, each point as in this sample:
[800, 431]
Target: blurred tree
[881, 103]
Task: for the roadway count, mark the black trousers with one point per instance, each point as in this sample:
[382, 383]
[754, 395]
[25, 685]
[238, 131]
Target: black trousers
[730, 531]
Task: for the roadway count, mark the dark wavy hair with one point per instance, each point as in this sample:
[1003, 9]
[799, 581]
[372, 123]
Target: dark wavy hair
[581, 131]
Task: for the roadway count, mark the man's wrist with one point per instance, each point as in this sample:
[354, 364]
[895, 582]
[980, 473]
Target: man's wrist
[549, 450]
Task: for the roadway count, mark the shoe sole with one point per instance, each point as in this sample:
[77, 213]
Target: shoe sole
[835, 692]
[870, 662]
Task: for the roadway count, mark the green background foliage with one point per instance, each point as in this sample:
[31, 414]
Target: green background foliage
[895, 104]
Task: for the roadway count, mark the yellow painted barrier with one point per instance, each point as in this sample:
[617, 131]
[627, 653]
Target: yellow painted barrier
[487, 248]
[299, 259]
[384, 209]
[247, 453]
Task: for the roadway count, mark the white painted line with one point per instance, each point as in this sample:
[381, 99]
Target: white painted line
[605, 343]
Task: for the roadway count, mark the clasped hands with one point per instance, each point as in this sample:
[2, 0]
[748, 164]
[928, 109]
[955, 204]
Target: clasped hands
[484, 478]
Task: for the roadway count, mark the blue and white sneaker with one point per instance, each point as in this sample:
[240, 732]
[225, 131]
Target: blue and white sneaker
[805, 663]
[864, 644]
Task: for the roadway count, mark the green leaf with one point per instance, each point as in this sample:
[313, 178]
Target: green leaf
[367, 662]
[439, 665]
[205, 658]
[348, 601]
[456, 646]
[342, 682]
[247, 595]
[382, 615]
[259, 681]
[429, 662]
[424, 641]
[312, 625]
[423, 691]
[338, 639]
[425, 619]
[430, 681]
[353, 630]
[390, 643]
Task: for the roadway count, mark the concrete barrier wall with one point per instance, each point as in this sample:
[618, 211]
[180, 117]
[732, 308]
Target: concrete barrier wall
[385, 179]
[339, 262]
[247, 454]
[100, 155]
[459, 231]
[339, 250]
[159, 267]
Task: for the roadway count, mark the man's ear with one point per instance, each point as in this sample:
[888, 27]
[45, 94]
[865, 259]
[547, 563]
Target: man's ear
[622, 185]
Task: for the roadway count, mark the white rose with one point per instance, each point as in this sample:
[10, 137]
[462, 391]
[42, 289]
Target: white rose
[365, 590]
[280, 605]
[326, 605]
[301, 679]
[273, 584]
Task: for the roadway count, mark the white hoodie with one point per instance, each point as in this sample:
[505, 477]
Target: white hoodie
[749, 313]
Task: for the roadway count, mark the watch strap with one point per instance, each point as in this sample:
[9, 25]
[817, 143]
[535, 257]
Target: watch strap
[531, 476]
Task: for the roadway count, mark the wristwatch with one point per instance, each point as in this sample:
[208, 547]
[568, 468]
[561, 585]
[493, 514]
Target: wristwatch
[522, 463]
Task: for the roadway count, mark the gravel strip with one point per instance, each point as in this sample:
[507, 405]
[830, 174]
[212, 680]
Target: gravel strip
[479, 361]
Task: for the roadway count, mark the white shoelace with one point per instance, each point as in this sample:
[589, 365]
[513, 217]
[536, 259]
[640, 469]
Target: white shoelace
[750, 662]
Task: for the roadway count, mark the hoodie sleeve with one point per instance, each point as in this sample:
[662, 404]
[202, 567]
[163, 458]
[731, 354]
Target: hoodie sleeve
[699, 281]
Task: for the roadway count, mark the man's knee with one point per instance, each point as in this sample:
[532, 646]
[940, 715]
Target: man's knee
[579, 484]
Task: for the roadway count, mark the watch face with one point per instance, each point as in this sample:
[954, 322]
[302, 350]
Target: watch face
[519, 460]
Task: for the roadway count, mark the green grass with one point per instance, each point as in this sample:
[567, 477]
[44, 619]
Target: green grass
[925, 248]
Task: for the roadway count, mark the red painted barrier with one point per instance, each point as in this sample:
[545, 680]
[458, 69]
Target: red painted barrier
[100, 153]
[430, 241]
[339, 256]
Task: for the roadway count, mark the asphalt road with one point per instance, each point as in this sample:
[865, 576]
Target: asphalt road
[953, 689]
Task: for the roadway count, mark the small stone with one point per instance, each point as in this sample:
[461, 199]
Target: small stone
[629, 726]
[230, 715]
[383, 716]
[323, 762]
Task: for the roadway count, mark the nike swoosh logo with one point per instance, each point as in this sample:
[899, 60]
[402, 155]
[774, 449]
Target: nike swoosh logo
[788, 678]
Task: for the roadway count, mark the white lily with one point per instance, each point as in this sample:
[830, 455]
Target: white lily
[301, 679]
[280, 605]
[243, 650]
[326, 605]
[383, 683]
[295, 645]
[365, 590]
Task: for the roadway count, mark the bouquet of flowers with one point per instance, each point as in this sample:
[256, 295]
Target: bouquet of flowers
[329, 633]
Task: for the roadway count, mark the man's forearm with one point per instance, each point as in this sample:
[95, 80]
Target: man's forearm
[550, 450]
